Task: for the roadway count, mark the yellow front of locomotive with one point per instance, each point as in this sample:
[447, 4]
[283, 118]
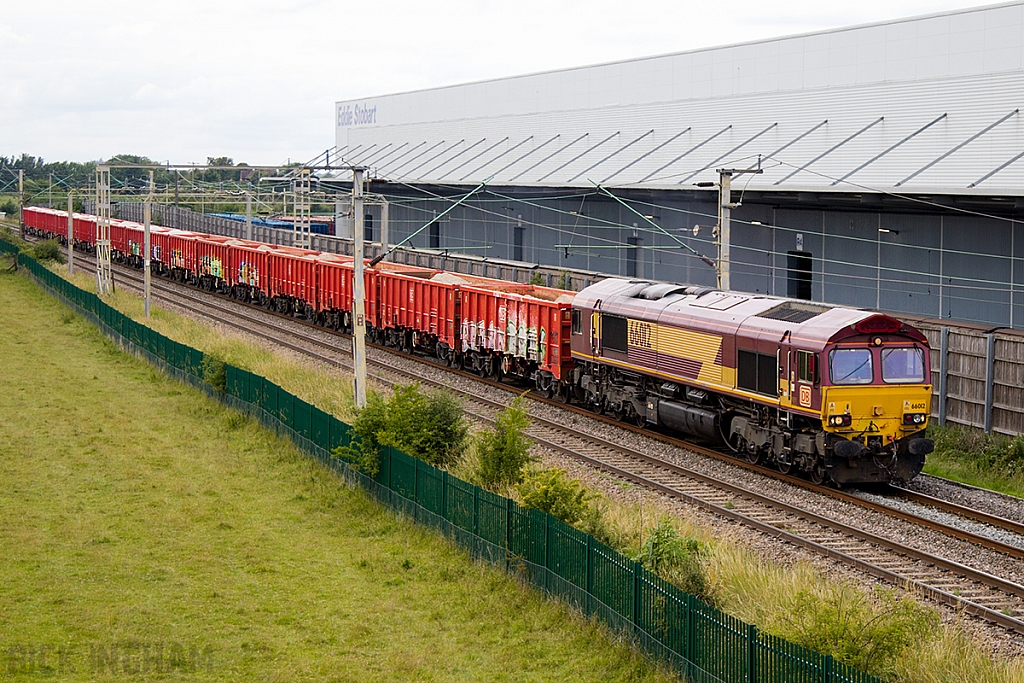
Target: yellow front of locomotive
[876, 399]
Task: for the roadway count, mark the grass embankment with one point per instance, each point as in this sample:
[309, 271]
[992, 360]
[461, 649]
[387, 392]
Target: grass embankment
[967, 455]
[306, 378]
[146, 528]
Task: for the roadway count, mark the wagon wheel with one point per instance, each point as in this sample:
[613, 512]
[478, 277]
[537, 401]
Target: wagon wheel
[563, 394]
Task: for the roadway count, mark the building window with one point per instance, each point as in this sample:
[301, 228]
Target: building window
[368, 227]
[435, 235]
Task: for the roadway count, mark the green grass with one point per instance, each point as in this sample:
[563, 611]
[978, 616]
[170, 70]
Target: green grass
[137, 513]
[970, 456]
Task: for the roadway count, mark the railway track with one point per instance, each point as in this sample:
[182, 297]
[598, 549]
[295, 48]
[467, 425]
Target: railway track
[995, 599]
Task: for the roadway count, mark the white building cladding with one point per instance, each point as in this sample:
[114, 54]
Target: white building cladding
[846, 123]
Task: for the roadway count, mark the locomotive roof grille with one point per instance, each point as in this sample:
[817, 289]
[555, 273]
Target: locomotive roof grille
[793, 312]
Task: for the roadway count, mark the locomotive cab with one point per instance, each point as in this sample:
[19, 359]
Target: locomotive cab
[875, 399]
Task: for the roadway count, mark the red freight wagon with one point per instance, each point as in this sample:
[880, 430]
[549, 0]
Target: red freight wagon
[121, 239]
[334, 291]
[248, 271]
[157, 245]
[84, 228]
[516, 329]
[211, 262]
[181, 253]
[418, 308]
[292, 281]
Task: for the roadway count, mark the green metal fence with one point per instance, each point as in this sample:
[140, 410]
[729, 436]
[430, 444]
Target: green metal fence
[703, 643]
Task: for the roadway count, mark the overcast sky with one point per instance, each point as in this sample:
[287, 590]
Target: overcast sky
[181, 80]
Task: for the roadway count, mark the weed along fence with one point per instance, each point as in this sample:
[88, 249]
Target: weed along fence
[701, 642]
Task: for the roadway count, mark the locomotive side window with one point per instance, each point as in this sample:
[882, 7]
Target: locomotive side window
[903, 366]
[615, 333]
[851, 366]
[577, 321]
[805, 366]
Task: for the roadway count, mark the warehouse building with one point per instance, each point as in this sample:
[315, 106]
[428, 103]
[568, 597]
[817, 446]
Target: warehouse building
[890, 159]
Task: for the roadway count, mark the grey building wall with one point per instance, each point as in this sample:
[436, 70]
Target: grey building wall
[943, 265]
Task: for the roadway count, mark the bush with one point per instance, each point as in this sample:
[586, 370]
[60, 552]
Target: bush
[537, 279]
[48, 250]
[677, 559]
[553, 492]
[10, 207]
[430, 427]
[504, 451]
[214, 372]
[985, 452]
[845, 624]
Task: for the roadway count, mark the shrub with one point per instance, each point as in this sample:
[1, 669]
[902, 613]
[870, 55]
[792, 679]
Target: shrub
[47, 250]
[214, 372]
[843, 622]
[551, 491]
[430, 427]
[537, 279]
[676, 558]
[10, 207]
[504, 451]
[984, 452]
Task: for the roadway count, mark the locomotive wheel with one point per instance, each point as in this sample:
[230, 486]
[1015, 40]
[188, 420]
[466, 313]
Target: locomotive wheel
[784, 466]
[563, 394]
[639, 419]
[818, 473]
[753, 454]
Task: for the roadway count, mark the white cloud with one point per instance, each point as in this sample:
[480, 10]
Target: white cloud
[257, 80]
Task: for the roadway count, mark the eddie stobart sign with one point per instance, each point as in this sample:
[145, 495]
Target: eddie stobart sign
[356, 115]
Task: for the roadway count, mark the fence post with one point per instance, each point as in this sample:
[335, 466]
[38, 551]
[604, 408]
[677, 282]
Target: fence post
[826, 669]
[691, 636]
[990, 361]
[590, 570]
[508, 532]
[943, 374]
[444, 494]
[476, 510]
[751, 653]
[637, 589]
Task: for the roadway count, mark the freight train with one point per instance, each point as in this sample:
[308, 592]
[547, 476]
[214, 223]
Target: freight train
[837, 394]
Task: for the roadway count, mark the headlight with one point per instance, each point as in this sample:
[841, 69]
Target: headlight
[914, 418]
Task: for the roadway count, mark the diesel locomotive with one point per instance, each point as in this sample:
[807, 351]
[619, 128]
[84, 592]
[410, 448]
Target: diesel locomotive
[836, 393]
